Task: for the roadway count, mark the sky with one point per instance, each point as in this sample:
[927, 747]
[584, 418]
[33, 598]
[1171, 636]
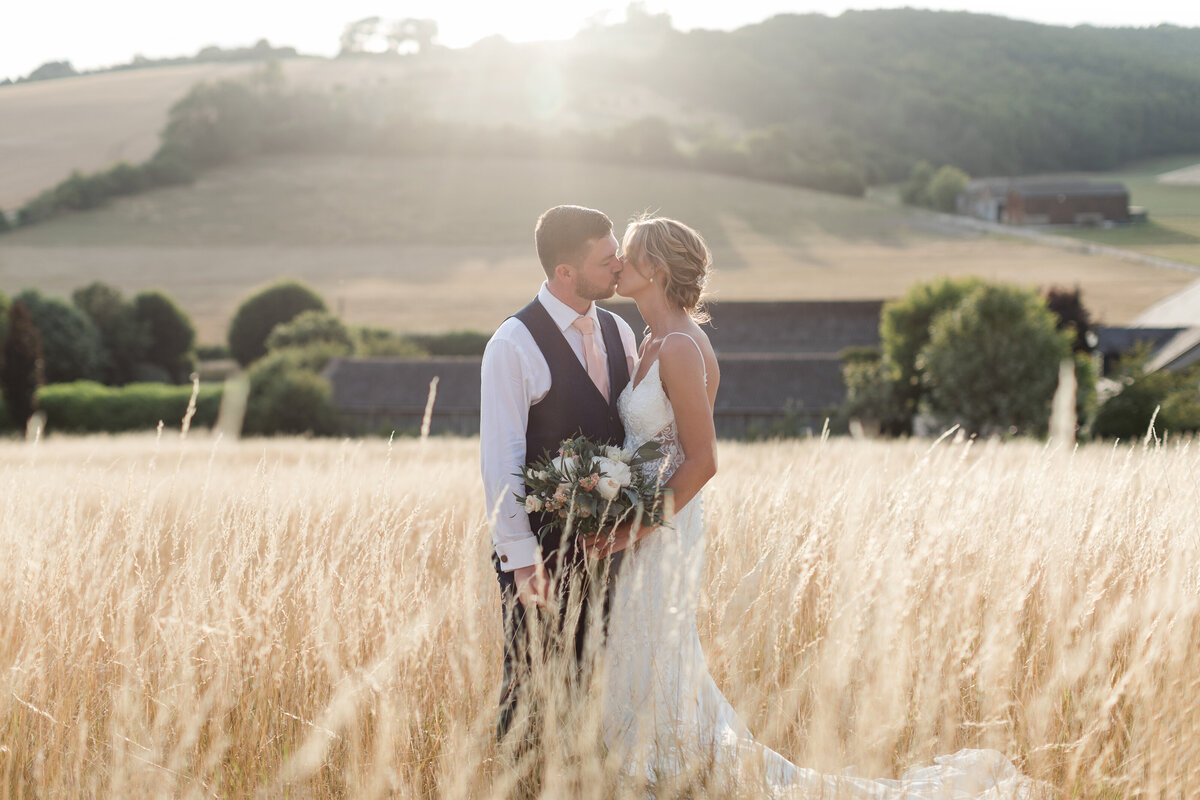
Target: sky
[91, 34]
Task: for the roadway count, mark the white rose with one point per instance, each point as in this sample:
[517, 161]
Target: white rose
[609, 488]
[565, 465]
[614, 453]
[533, 503]
[617, 470]
[541, 476]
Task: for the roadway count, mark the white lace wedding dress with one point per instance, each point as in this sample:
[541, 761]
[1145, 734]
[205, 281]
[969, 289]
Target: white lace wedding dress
[662, 710]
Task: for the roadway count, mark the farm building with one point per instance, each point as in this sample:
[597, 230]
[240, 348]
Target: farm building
[1167, 348]
[779, 366]
[1044, 201]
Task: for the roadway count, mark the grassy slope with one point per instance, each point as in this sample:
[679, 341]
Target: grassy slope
[427, 244]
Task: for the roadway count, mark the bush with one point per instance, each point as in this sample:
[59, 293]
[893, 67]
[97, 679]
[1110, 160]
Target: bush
[944, 188]
[123, 337]
[71, 348]
[991, 363]
[171, 334]
[310, 328]
[904, 331]
[3, 316]
[289, 398]
[90, 407]
[1127, 414]
[20, 366]
[259, 314]
[454, 343]
[871, 395]
[212, 352]
[380, 342]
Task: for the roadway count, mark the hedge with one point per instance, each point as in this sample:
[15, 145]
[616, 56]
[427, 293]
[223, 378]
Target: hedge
[90, 407]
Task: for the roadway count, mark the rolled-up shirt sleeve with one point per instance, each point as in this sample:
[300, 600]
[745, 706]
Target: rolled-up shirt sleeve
[504, 414]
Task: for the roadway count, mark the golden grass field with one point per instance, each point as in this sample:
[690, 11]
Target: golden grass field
[318, 619]
[408, 243]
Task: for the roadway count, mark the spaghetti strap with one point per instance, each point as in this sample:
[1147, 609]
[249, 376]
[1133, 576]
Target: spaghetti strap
[703, 363]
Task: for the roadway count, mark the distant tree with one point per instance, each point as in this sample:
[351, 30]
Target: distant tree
[991, 363]
[357, 36]
[370, 341]
[904, 331]
[915, 190]
[5, 225]
[51, 70]
[20, 366]
[71, 348]
[123, 336]
[1072, 315]
[260, 313]
[172, 336]
[3, 316]
[944, 188]
[309, 328]
[419, 32]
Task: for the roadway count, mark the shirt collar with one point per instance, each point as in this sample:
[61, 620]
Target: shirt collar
[562, 314]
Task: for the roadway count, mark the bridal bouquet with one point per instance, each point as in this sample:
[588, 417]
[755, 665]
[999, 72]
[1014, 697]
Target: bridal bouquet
[590, 488]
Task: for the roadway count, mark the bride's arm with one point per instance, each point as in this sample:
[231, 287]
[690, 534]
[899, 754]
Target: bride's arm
[681, 368]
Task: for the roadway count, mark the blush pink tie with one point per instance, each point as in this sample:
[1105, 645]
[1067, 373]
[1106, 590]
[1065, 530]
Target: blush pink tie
[597, 369]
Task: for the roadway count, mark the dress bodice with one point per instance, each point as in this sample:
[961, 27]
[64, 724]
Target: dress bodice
[647, 414]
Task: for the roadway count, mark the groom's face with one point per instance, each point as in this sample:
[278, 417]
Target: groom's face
[596, 275]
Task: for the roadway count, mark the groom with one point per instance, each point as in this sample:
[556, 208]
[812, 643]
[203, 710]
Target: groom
[551, 370]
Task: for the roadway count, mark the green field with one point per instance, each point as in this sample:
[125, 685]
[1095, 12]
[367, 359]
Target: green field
[435, 244]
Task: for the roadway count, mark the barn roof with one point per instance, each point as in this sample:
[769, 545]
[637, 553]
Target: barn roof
[1034, 186]
[749, 384]
[784, 327]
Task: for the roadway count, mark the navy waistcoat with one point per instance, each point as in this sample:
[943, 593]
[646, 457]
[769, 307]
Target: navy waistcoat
[574, 405]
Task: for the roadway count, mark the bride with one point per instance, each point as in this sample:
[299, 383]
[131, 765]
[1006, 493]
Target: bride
[662, 712]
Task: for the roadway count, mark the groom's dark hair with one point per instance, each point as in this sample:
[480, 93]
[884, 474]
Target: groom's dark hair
[562, 232]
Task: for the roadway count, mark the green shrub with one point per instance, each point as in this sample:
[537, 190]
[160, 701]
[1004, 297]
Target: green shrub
[89, 407]
[380, 342]
[20, 366]
[1127, 414]
[871, 395]
[310, 328]
[261, 312]
[71, 347]
[453, 343]
[286, 397]
[212, 352]
[123, 337]
[944, 188]
[904, 330]
[171, 334]
[991, 363]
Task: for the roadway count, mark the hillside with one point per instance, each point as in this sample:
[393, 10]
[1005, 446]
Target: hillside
[826, 102]
[423, 244]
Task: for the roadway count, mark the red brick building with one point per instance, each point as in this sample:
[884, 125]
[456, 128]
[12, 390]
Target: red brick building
[1043, 201]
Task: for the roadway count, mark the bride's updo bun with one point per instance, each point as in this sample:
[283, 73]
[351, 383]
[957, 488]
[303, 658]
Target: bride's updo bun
[675, 254]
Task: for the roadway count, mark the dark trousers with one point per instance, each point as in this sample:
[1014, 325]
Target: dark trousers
[563, 639]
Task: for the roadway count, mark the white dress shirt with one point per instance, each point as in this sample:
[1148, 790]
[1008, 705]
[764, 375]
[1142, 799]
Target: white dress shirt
[514, 377]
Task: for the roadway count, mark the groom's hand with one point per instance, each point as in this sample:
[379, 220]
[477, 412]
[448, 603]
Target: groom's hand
[602, 545]
[532, 585]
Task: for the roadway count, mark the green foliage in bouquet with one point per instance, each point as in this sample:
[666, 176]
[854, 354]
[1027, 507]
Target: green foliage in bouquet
[591, 488]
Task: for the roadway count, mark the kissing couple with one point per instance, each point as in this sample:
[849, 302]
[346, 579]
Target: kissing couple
[612, 620]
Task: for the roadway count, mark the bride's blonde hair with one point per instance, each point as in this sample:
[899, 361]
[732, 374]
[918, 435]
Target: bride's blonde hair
[678, 254]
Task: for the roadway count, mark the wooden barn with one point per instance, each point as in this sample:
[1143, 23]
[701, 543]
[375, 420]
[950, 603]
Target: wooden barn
[1044, 201]
[780, 366]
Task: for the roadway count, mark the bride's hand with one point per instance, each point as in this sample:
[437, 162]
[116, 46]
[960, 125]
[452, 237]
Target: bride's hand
[602, 545]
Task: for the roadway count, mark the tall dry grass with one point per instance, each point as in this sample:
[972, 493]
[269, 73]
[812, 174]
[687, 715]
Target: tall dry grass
[319, 619]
